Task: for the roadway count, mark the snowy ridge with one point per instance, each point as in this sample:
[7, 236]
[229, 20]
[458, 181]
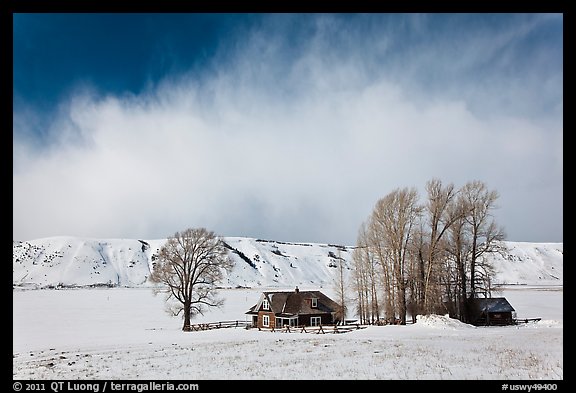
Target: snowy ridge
[78, 262]
[279, 264]
[530, 263]
[69, 261]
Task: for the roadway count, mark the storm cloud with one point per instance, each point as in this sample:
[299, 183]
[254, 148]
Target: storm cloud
[298, 125]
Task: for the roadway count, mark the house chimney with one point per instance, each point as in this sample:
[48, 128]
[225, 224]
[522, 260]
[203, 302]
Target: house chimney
[297, 290]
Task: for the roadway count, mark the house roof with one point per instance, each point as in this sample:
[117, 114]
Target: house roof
[491, 305]
[295, 303]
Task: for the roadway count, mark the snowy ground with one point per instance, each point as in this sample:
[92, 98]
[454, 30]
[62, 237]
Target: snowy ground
[123, 333]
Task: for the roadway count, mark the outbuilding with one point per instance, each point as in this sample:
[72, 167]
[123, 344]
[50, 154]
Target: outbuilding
[491, 311]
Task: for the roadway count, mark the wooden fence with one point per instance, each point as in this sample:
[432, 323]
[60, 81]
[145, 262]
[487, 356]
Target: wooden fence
[526, 320]
[322, 329]
[220, 325]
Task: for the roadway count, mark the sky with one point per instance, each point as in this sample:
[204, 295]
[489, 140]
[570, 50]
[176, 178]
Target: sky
[280, 126]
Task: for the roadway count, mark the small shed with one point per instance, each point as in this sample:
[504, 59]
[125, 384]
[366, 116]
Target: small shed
[493, 311]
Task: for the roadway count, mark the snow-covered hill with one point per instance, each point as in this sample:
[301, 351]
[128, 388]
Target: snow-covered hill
[530, 263]
[72, 261]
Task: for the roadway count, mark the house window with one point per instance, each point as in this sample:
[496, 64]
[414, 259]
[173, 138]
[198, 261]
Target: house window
[265, 320]
[315, 321]
[265, 305]
[314, 302]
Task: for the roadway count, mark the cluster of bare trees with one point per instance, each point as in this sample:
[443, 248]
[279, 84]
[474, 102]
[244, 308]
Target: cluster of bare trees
[420, 258]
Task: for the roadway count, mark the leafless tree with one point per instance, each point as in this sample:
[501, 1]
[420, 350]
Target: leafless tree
[392, 225]
[437, 207]
[417, 250]
[360, 285]
[340, 284]
[365, 279]
[457, 247]
[485, 235]
[472, 236]
[190, 265]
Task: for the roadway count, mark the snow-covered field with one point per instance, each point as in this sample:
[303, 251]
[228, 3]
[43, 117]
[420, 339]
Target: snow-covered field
[124, 333]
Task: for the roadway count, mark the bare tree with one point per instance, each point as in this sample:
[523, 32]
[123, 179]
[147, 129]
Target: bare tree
[365, 277]
[484, 234]
[472, 235]
[439, 200]
[360, 285]
[458, 246]
[418, 247]
[190, 265]
[392, 223]
[340, 285]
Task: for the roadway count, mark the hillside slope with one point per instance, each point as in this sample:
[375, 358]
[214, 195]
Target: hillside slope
[72, 261]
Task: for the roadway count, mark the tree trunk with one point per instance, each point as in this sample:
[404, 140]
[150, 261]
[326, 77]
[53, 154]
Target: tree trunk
[186, 327]
[463, 296]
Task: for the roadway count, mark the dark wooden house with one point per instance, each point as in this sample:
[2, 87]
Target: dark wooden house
[293, 308]
[491, 311]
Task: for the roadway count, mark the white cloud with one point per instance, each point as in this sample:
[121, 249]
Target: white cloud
[295, 149]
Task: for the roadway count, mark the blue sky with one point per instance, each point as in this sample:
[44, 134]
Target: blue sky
[280, 126]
